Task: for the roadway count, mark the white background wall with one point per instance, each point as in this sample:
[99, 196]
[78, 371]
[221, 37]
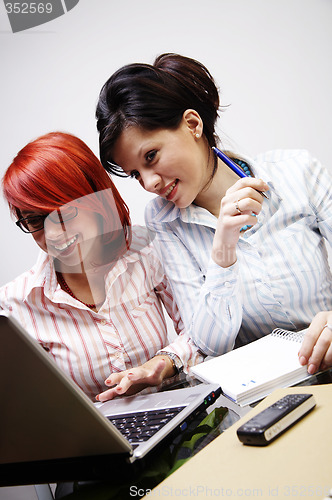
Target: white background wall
[271, 60]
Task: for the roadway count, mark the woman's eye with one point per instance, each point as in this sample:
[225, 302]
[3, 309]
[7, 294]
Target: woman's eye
[35, 222]
[150, 156]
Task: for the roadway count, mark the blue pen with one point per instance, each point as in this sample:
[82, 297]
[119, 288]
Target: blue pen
[233, 166]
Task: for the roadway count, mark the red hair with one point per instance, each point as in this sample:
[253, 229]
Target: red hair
[58, 168]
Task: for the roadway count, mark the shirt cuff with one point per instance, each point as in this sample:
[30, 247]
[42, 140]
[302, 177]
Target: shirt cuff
[221, 281]
[185, 350]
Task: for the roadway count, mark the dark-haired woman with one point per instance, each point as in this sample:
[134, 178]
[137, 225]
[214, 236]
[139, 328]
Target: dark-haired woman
[94, 298]
[239, 264]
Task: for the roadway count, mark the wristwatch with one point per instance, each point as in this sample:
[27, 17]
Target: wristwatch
[177, 363]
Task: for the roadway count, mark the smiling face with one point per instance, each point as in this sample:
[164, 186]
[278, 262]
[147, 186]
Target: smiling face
[75, 240]
[169, 163]
[83, 234]
[72, 236]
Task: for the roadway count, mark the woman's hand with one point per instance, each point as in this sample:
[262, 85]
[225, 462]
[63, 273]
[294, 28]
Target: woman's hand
[316, 348]
[129, 382]
[239, 207]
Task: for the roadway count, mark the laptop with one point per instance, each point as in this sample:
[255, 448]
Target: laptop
[50, 431]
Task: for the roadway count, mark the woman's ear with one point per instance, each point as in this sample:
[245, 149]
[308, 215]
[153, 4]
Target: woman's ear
[192, 120]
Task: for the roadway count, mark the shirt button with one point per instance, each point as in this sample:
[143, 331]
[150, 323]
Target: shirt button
[227, 284]
[103, 322]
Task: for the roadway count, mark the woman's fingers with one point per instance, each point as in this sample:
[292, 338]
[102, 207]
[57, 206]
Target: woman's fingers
[316, 348]
[251, 183]
[132, 381]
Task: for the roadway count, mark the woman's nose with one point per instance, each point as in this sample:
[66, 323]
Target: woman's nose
[151, 181]
[53, 230]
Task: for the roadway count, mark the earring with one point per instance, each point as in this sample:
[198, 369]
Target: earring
[197, 136]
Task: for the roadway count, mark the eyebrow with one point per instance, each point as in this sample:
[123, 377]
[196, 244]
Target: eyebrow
[147, 146]
[30, 215]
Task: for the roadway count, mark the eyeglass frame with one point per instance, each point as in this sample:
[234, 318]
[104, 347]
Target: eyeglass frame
[19, 222]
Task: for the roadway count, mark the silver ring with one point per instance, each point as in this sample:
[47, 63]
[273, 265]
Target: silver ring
[237, 207]
[328, 325]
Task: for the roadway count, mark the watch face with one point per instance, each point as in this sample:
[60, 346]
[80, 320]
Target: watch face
[177, 363]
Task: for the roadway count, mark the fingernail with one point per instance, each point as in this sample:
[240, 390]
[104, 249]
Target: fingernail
[303, 360]
[311, 369]
[97, 398]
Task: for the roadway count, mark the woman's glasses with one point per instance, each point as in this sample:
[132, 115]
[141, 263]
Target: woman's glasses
[36, 222]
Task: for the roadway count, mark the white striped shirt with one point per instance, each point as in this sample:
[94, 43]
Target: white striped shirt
[282, 276]
[128, 329]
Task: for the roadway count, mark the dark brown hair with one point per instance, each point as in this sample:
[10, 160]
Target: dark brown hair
[153, 97]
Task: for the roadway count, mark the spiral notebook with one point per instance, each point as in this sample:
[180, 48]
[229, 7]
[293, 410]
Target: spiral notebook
[251, 372]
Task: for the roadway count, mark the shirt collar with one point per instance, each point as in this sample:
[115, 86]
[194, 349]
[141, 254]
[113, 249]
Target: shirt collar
[43, 272]
[140, 245]
[42, 276]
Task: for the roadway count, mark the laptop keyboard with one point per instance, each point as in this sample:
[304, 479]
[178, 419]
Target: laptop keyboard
[140, 426]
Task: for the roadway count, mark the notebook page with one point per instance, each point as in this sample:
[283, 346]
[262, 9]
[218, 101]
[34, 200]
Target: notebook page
[252, 365]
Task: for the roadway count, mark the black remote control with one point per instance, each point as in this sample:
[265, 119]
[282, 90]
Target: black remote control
[271, 422]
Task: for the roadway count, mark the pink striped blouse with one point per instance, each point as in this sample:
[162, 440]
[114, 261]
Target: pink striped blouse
[128, 329]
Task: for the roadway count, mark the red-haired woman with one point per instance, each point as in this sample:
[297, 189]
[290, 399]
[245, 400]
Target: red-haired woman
[94, 298]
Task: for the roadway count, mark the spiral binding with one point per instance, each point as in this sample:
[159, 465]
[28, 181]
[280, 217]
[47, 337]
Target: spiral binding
[287, 335]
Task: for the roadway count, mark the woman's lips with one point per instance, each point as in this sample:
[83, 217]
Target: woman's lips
[65, 247]
[168, 192]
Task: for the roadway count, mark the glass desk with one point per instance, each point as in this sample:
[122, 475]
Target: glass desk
[202, 431]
